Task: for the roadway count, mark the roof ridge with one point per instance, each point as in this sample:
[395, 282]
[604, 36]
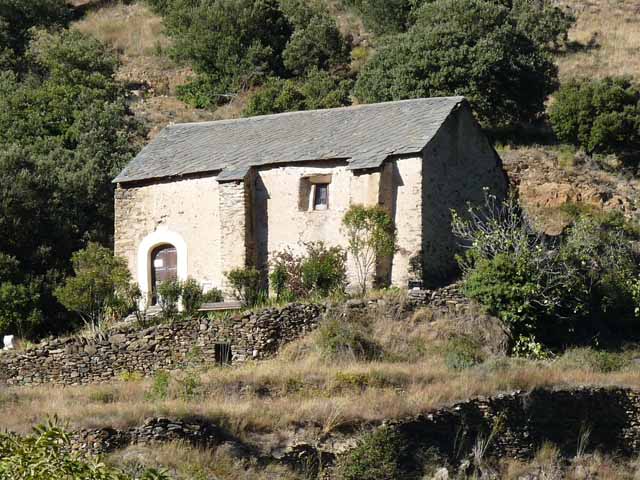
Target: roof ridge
[454, 99]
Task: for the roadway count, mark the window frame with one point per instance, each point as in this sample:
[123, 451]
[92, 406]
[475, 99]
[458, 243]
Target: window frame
[318, 187]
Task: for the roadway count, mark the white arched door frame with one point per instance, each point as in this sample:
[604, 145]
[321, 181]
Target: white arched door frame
[146, 247]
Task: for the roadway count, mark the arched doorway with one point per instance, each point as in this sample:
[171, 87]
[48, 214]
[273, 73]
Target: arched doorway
[164, 268]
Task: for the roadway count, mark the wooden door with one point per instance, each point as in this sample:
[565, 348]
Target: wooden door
[164, 268]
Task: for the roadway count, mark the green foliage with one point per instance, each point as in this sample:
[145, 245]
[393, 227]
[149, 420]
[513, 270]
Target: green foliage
[601, 116]
[549, 294]
[231, 44]
[65, 132]
[462, 352]
[316, 42]
[385, 16]
[529, 347]
[543, 21]
[238, 44]
[214, 295]
[99, 285]
[159, 389]
[338, 339]
[246, 284]
[318, 90]
[322, 270]
[463, 47]
[19, 296]
[18, 18]
[192, 297]
[511, 289]
[601, 361]
[169, 294]
[46, 454]
[378, 456]
[371, 236]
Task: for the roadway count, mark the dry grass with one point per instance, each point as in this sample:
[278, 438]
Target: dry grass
[607, 38]
[183, 461]
[302, 387]
[137, 34]
[133, 30]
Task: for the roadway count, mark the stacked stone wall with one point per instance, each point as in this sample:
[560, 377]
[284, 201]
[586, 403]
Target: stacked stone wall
[76, 360]
[521, 422]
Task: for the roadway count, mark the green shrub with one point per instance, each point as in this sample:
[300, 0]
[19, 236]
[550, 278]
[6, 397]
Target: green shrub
[214, 295]
[101, 282]
[601, 361]
[324, 270]
[65, 131]
[169, 293]
[385, 16]
[601, 116]
[461, 353]
[192, 297]
[549, 293]
[159, 389]
[318, 90]
[338, 339]
[246, 284]
[378, 456]
[47, 454]
[316, 42]
[190, 385]
[231, 44]
[371, 236]
[463, 47]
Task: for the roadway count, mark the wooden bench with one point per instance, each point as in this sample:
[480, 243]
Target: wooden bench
[220, 306]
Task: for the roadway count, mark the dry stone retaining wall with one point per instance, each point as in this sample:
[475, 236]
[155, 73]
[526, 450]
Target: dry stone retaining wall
[524, 421]
[74, 361]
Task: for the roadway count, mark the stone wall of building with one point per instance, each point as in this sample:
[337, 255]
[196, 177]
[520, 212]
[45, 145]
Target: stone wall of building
[405, 183]
[284, 212]
[188, 209]
[459, 164]
[74, 361]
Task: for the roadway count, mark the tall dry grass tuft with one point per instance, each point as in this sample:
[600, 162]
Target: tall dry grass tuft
[131, 29]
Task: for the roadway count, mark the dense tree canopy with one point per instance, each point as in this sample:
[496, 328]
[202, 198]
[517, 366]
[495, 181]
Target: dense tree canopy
[65, 131]
[238, 44]
[17, 17]
[463, 47]
[541, 20]
[601, 116]
[316, 91]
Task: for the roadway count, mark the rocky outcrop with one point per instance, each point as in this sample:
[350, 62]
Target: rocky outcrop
[545, 186]
[73, 361]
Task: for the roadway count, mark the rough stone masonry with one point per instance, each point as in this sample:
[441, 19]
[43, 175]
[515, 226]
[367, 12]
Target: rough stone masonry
[75, 360]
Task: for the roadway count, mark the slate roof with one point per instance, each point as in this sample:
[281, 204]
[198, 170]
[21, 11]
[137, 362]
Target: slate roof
[364, 135]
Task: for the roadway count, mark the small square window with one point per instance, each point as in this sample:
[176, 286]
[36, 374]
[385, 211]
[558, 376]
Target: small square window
[321, 196]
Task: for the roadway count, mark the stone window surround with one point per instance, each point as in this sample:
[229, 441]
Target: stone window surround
[146, 247]
[323, 179]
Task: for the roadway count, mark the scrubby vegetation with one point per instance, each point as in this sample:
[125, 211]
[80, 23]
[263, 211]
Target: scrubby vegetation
[45, 455]
[601, 116]
[570, 305]
[580, 286]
